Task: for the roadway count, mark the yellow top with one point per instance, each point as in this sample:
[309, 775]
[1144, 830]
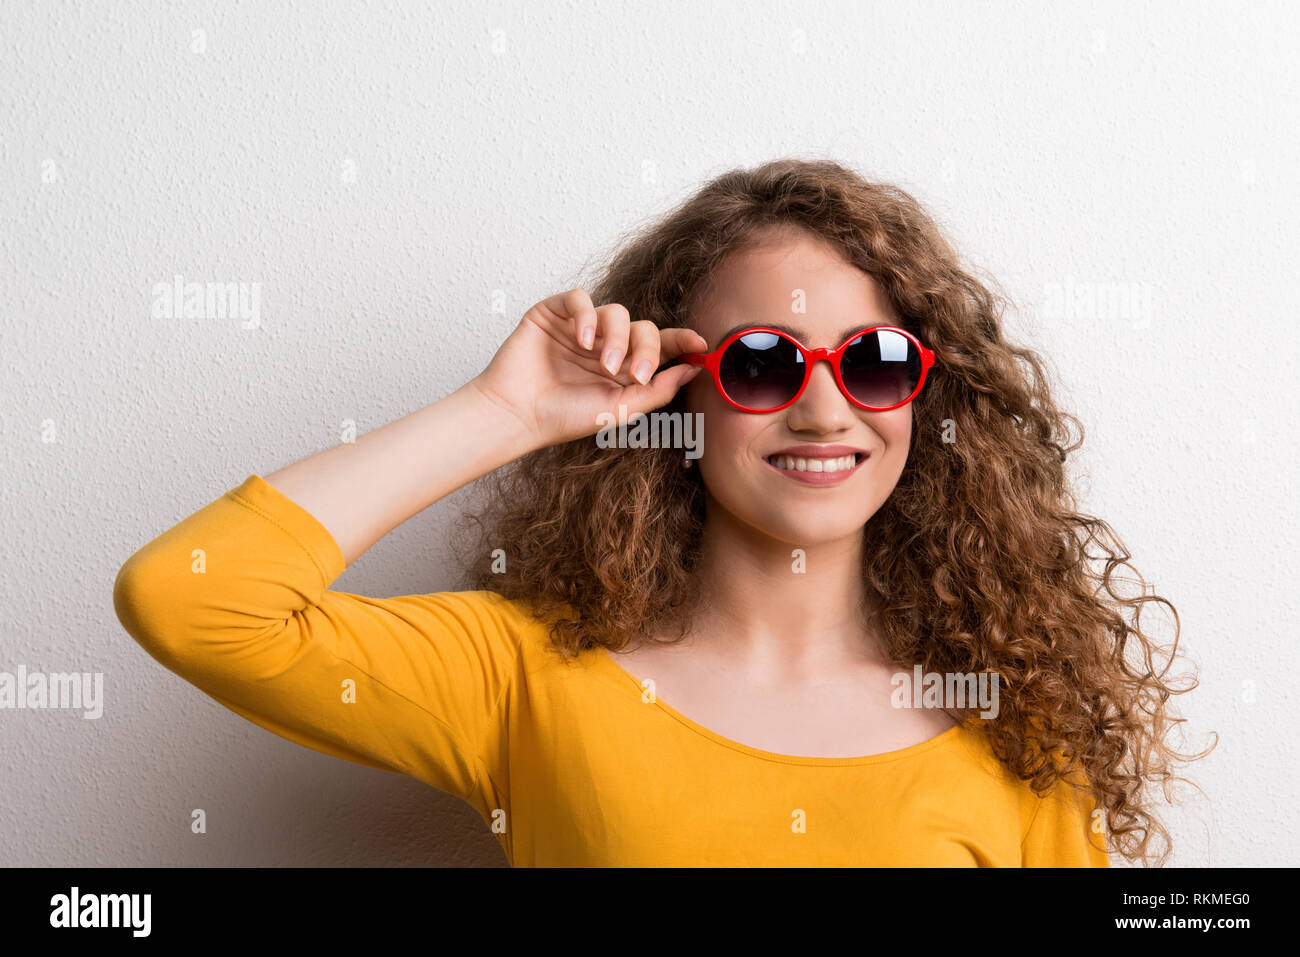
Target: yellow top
[565, 761]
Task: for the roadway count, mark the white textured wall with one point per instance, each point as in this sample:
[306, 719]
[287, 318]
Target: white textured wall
[383, 172]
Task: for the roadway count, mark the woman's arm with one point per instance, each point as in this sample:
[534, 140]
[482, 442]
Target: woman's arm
[545, 385]
[361, 491]
[235, 598]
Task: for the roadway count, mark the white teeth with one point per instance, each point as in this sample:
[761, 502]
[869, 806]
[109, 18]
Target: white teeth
[841, 464]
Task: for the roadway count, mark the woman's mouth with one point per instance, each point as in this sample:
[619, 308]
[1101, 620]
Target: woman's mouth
[817, 471]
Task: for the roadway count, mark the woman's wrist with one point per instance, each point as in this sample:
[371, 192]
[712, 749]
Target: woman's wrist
[486, 410]
[361, 490]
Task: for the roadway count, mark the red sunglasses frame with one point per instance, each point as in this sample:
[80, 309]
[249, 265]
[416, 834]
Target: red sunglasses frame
[712, 360]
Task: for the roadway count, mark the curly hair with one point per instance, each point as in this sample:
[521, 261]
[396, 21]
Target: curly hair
[979, 560]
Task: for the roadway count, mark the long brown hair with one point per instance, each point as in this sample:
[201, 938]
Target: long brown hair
[979, 560]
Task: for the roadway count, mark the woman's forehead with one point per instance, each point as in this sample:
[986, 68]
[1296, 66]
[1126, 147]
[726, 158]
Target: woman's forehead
[815, 312]
[815, 296]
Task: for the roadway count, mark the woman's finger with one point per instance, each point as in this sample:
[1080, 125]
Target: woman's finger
[576, 306]
[675, 342]
[613, 331]
[661, 389]
[643, 350]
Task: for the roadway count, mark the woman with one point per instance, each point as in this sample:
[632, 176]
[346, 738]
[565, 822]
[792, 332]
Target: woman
[670, 658]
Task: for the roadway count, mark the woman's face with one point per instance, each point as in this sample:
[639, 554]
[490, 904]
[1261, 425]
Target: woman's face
[763, 287]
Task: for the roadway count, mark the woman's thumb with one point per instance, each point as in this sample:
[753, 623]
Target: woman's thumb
[665, 385]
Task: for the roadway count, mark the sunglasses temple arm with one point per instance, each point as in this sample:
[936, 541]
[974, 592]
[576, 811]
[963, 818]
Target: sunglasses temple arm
[687, 359]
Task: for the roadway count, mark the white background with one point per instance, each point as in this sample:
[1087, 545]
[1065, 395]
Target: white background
[404, 181]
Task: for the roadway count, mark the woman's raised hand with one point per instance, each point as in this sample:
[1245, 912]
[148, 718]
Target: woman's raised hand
[568, 361]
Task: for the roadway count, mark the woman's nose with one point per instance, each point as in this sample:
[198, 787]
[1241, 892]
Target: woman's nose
[822, 407]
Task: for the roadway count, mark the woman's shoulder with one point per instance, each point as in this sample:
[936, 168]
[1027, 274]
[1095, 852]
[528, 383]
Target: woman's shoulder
[973, 747]
[524, 621]
[487, 604]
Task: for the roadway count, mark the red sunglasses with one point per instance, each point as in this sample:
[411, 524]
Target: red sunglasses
[765, 370]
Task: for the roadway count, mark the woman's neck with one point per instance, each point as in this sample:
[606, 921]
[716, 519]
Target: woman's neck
[773, 608]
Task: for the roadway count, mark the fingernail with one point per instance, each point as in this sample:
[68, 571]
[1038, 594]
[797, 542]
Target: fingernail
[641, 371]
[588, 337]
[612, 358]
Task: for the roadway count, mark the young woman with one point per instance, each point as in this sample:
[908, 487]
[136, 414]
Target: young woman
[669, 658]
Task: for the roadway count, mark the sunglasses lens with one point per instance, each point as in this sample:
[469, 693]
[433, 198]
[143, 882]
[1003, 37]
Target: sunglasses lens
[881, 368]
[761, 370]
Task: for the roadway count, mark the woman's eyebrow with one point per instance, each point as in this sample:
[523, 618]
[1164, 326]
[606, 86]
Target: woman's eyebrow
[794, 332]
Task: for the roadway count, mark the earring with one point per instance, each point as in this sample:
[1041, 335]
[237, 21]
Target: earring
[687, 463]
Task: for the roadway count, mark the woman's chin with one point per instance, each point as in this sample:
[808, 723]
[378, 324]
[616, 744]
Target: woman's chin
[805, 533]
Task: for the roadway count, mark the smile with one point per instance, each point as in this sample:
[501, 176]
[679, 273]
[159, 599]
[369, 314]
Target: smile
[792, 463]
[816, 471]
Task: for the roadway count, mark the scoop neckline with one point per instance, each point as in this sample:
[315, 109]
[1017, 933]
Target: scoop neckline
[606, 657]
